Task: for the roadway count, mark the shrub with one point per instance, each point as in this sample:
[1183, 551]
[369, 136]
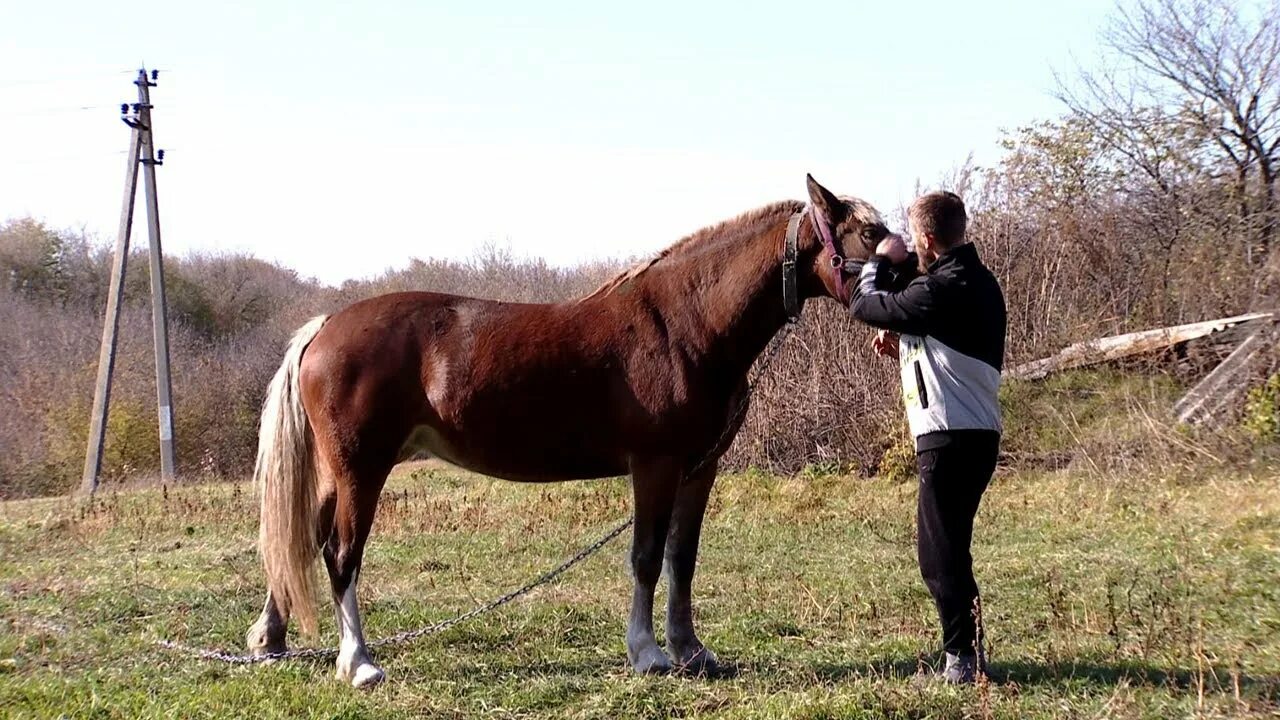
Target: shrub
[1262, 410]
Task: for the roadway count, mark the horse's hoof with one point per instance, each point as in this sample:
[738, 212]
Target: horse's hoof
[270, 649]
[651, 661]
[259, 644]
[696, 661]
[366, 675]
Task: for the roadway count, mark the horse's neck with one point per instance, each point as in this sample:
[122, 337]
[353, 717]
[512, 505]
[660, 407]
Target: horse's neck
[731, 302]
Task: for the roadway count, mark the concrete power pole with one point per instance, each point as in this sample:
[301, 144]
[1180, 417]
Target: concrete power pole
[159, 308]
[142, 154]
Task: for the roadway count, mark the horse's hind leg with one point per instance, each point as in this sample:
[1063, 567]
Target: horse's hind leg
[654, 485]
[267, 635]
[683, 644]
[357, 490]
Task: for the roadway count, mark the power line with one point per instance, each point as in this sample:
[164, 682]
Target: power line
[45, 159]
[56, 79]
[48, 80]
[73, 109]
[59, 110]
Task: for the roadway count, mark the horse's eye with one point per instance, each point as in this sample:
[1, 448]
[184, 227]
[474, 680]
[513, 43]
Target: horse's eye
[873, 233]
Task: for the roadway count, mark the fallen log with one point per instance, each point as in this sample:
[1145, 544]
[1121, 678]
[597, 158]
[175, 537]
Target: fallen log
[1116, 347]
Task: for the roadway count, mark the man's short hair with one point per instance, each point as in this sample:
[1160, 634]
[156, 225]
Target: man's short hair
[940, 214]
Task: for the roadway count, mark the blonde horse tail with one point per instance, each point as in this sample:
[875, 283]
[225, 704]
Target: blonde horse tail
[286, 480]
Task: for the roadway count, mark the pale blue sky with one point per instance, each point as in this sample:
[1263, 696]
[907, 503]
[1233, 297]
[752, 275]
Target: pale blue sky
[343, 139]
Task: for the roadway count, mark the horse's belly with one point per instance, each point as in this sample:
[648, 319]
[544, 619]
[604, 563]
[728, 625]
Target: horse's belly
[531, 455]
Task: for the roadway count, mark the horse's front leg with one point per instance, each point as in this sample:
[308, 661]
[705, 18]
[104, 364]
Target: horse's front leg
[653, 483]
[683, 644]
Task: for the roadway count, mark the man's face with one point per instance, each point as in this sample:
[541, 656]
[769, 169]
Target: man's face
[920, 243]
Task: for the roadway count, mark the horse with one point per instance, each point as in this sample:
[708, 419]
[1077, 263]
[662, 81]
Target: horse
[640, 377]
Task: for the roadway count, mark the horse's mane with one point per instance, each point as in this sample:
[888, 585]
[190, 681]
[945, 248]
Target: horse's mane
[745, 225]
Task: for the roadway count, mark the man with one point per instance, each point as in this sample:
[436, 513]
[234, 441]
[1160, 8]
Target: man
[947, 329]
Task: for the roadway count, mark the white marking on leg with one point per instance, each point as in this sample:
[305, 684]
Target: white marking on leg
[267, 633]
[352, 635]
[353, 658]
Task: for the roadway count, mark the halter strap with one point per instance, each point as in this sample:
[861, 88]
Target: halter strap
[837, 260]
[790, 289]
[839, 266]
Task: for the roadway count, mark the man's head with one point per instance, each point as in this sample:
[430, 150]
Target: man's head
[937, 221]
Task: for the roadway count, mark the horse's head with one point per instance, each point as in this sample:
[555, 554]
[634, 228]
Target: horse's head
[848, 230]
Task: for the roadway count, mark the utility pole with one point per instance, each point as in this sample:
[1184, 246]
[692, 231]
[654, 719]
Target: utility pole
[159, 309]
[142, 154]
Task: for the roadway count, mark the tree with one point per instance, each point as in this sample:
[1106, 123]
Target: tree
[1199, 97]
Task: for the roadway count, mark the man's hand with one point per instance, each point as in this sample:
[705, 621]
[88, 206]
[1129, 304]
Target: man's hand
[893, 248]
[885, 344]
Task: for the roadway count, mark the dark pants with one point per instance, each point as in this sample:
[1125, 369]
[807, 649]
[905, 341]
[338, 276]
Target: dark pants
[955, 468]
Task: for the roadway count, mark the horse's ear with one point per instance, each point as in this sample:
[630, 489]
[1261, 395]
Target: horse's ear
[829, 207]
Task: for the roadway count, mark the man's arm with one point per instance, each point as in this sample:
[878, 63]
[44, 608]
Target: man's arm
[901, 274]
[911, 310]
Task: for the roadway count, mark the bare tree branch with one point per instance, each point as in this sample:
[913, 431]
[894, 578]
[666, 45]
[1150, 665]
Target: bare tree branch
[1210, 65]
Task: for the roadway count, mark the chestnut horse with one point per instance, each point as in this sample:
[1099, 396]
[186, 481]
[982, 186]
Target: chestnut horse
[641, 377]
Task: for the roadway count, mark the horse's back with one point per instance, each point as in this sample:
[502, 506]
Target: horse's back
[525, 391]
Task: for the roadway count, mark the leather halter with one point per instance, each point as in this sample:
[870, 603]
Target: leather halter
[790, 289]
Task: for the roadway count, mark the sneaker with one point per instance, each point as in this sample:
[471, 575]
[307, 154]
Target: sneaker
[962, 669]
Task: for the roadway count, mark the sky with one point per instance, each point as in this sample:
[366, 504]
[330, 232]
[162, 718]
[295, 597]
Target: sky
[344, 139]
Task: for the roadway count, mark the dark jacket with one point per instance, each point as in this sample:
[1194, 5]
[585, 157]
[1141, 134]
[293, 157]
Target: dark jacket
[952, 324]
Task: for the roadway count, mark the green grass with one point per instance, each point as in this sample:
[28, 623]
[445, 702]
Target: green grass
[1064, 415]
[1140, 597]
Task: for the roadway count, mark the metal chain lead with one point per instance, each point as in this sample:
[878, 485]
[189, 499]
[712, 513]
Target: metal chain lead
[544, 579]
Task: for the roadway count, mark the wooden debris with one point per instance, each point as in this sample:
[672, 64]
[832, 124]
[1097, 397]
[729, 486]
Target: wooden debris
[1116, 347]
[1220, 390]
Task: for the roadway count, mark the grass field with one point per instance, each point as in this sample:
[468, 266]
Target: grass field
[1140, 597]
